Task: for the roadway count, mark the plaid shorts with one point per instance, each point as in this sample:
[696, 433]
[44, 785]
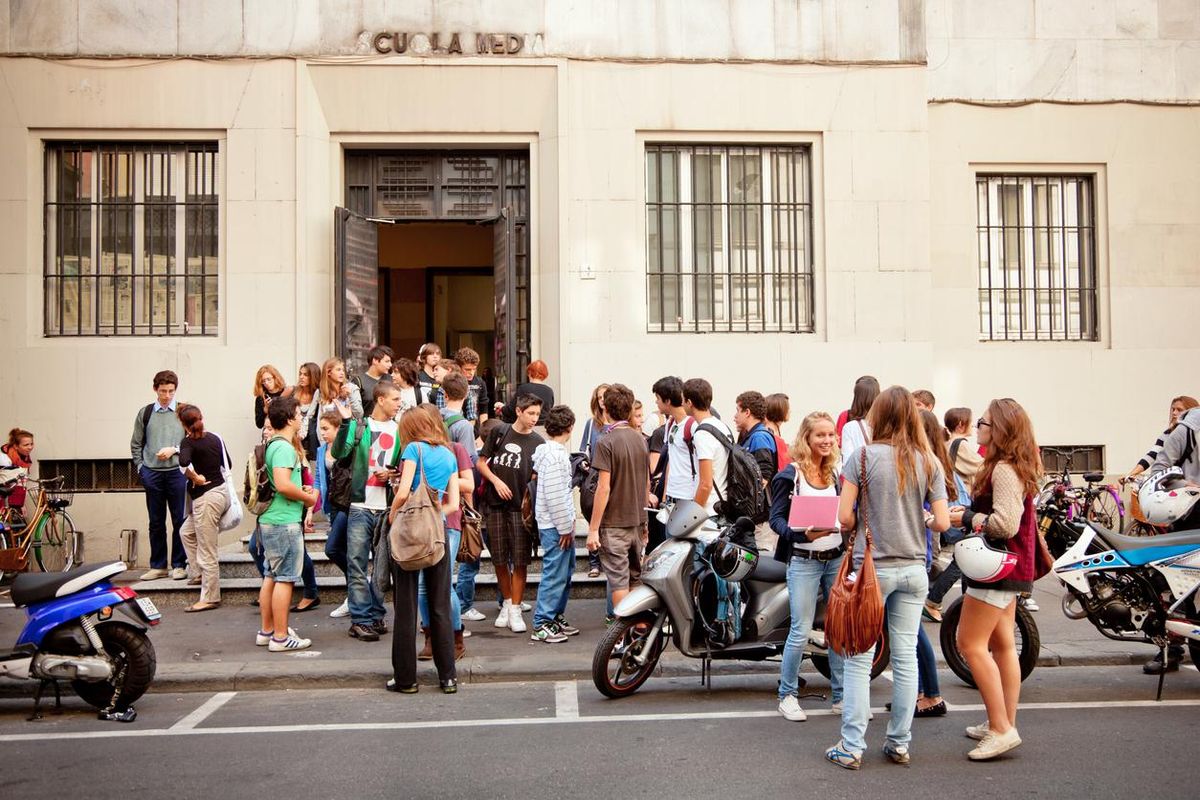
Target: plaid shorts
[508, 541]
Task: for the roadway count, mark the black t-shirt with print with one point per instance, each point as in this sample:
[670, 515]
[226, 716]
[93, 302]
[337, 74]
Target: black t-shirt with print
[477, 390]
[510, 458]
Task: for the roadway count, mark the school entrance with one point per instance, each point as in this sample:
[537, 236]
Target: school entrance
[433, 246]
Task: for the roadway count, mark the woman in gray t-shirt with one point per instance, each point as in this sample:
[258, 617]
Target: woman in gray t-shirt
[901, 477]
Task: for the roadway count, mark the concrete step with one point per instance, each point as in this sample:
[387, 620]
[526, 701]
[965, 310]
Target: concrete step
[169, 593]
[241, 565]
[315, 542]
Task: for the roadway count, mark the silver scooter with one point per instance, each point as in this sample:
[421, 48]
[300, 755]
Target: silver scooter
[664, 606]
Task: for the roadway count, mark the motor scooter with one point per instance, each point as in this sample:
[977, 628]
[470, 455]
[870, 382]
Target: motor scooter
[669, 604]
[72, 632]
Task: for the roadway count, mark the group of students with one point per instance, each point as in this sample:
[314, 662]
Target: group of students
[929, 486]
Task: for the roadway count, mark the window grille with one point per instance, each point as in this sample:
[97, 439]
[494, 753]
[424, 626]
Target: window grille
[131, 238]
[92, 474]
[729, 238]
[1083, 458]
[1037, 257]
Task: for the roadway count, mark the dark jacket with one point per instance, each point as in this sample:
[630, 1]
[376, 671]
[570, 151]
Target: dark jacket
[782, 486]
[354, 440]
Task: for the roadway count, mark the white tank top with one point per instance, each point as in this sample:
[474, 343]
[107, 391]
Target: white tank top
[803, 488]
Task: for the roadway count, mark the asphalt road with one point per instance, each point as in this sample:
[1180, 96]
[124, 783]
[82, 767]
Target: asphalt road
[1089, 732]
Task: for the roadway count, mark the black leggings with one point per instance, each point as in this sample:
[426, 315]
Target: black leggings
[441, 631]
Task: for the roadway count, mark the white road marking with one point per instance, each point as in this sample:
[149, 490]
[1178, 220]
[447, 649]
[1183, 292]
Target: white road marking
[206, 710]
[566, 700]
[124, 732]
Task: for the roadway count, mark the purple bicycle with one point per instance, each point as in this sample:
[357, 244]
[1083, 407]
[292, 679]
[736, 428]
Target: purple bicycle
[1098, 502]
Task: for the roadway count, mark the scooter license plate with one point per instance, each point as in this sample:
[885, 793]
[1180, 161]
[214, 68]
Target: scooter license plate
[148, 608]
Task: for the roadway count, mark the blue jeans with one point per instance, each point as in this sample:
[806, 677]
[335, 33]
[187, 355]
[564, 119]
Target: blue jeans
[335, 543]
[453, 538]
[927, 679]
[557, 565]
[164, 493]
[904, 590]
[366, 604]
[807, 579]
[308, 573]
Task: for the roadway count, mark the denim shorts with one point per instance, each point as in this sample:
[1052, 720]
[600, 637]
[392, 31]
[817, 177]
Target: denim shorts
[283, 551]
[993, 597]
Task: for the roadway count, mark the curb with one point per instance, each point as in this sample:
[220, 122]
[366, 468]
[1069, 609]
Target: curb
[371, 674]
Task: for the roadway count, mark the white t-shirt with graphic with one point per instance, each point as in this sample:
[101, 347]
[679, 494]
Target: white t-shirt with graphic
[383, 444]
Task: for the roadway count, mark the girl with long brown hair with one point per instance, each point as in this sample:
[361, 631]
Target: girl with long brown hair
[1001, 510]
[1179, 406]
[268, 385]
[307, 394]
[897, 477]
[334, 387]
[812, 557]
[423, 437]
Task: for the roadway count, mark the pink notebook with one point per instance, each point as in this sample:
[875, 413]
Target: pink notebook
[813, 512]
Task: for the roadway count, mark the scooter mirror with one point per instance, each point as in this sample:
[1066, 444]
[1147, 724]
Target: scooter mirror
[687, 518]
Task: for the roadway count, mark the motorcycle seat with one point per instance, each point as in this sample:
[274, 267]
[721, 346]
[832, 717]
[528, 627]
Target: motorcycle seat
[768, 570]
[30, 588]
[1140, 550]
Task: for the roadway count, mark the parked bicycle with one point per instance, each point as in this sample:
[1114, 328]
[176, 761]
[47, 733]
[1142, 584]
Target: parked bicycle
[1096, 502]
[48, 538]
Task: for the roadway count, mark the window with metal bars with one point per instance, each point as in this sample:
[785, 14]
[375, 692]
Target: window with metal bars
[131, 239]
[729, 238]
[1080, 457]
[92, 474]
[1037, 257]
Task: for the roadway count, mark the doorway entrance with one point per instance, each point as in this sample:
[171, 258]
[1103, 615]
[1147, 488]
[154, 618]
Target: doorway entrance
[433, 246]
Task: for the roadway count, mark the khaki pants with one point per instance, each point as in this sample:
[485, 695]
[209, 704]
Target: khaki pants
[199, 534]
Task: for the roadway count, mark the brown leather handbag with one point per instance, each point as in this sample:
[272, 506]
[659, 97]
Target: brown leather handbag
[854, 613]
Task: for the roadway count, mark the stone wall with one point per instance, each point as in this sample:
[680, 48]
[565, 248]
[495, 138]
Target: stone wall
[1068, 50]
[788, 30]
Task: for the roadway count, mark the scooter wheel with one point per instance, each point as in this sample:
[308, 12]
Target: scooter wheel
[614, 670]
[134, 664]
[1028, 639]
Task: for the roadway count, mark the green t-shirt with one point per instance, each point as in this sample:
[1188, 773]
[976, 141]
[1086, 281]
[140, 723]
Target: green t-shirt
[283, 511]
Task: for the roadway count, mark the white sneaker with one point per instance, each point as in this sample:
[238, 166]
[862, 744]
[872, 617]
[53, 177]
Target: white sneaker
[292, 642]
[502, 617]
[154, 574]
[837, 709]
[790, 708]
[995, 744]
[1031, 604]
[341, 611]
[516, 623]
[473, 615]
[526, 607]
[179, 574]
[978, 732]
[466, 634]
[263, 639]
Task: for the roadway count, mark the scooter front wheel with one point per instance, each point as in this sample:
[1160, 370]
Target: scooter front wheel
[134, 664]
[1026, 636]
[614, 669]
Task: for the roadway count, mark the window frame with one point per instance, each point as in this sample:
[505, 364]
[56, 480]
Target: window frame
[1094, 299]
[191, 157]
[803, 247]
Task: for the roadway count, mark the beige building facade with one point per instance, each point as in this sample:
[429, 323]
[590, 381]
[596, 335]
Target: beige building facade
[774, 195]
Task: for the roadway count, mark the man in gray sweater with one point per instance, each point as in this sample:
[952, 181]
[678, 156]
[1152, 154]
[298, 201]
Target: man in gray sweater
[154, 448]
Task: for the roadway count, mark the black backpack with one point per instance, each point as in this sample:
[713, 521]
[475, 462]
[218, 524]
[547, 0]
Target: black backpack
[744, 494]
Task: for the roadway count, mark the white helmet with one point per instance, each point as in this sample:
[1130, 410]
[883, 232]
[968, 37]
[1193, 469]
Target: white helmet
[1165, 499]
[981, 562]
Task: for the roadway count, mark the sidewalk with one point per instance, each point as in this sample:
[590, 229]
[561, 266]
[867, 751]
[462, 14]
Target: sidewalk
[214, 651]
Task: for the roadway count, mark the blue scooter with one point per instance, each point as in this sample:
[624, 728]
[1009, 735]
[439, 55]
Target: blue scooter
[72, 632]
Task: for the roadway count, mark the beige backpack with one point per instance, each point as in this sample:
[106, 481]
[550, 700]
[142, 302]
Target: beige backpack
[418, 533]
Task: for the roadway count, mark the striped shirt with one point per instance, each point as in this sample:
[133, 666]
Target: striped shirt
[554, 506]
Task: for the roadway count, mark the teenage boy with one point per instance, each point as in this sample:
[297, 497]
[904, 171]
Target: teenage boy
[154, 447]
[454, 388]
[506, 463]
[279, 528]
[437, 395]
[477, 392]
[375, 445]
[617, 528]
[712, 462]
[924, 399]
[681, 476]
[753, 435]
[554, 509]
[427, 359]
[379, 369]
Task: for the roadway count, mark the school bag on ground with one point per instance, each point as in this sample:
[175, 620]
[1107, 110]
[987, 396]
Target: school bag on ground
[258, 490]
[743, 494]
[417, 536]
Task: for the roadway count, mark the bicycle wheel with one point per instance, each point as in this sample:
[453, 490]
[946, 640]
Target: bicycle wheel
[1104, 509]
[54, 543]
[4, 575]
